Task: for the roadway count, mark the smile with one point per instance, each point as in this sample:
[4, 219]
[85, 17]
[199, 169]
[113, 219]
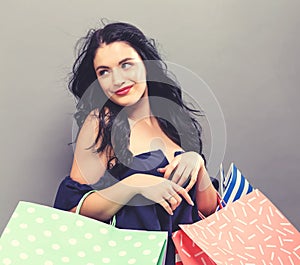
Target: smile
[123, 90]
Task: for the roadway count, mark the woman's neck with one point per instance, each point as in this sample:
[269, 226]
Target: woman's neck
[140, 111]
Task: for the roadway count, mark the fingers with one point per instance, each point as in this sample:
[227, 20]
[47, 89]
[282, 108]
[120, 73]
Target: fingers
[168, 172]
[185, 176]
[183, 192]
[168, 194]
[174, 201]
[177, 173]
[171, 203]
[170, 168]
[167, 207]
[191, 184]
[162, 170]
[193, 180]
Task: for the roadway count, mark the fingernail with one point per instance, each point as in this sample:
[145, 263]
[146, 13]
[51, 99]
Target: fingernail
[192, 203]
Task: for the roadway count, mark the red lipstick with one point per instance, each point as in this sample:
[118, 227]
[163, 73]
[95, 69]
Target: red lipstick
[123, 90]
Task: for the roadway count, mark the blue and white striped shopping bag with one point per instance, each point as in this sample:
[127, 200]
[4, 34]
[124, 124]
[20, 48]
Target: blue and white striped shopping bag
[234, 185]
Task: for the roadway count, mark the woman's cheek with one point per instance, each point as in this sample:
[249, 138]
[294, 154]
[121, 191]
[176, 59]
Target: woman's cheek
[105, 87]
[140, 76]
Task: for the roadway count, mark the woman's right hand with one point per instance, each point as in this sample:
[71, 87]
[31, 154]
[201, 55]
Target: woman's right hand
[159, 190]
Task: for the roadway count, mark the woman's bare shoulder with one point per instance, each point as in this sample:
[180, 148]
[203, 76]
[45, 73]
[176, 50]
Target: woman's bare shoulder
[88, 165]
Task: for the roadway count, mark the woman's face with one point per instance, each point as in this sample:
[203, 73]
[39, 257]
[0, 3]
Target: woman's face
[121, 73]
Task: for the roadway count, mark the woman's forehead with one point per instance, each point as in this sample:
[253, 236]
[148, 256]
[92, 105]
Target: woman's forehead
[110, 54]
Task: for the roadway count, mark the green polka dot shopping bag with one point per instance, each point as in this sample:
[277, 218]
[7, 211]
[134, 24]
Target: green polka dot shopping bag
[41, 235]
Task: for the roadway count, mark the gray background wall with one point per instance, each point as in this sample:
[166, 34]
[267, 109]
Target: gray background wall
[246, 51]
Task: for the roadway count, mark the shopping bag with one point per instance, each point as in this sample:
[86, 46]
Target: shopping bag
[234, 185]
[187, 252]
[42, 235]
[250, 230]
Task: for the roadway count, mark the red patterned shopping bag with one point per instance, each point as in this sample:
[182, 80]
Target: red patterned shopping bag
[250, 230]
[187, 252]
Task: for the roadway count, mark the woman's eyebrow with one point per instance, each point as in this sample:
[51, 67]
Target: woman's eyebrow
[126, 59]
[122, 61]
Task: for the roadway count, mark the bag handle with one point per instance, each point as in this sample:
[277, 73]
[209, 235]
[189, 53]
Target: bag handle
[113, 221]
[82, 200]
[222, 179]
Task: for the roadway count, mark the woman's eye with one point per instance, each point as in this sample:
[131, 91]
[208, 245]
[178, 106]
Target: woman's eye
[103, 72]
[126, 65]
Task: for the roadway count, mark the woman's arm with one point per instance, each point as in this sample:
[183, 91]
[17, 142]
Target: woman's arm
[102, 205]
[206, 195]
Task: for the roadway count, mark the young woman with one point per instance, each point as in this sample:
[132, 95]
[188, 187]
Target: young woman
[139, 145]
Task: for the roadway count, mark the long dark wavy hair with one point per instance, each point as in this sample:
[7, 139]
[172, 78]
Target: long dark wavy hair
[177, 121]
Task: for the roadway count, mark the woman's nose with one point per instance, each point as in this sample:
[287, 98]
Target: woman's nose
[117, 77]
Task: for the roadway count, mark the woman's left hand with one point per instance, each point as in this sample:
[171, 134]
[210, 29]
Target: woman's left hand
[184, 168]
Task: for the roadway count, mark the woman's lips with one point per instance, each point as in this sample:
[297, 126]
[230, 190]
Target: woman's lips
[124, 90]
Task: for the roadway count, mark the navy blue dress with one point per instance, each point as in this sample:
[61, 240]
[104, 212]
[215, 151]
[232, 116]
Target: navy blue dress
[137, 214]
